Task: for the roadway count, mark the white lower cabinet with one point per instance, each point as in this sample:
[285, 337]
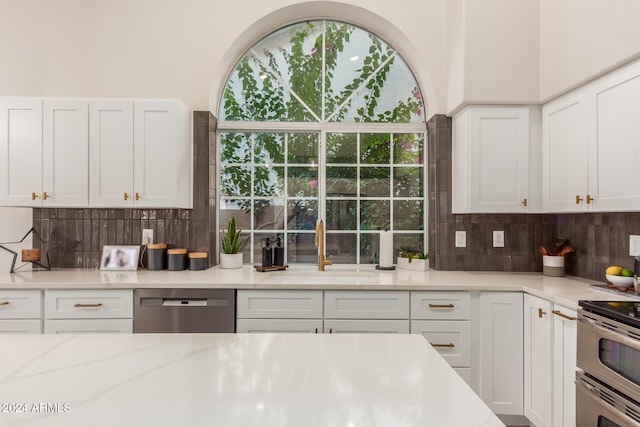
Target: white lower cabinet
[279, 325]
[500, 373]
[452, 339]
[88, 311]
[538, 333]
[565, 341]
[88, 326]
[340, 326]
[21, 312]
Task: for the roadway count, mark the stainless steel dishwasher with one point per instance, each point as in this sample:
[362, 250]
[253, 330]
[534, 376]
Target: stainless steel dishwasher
[184, 310]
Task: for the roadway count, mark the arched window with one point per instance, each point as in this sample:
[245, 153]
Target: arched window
[323, 119]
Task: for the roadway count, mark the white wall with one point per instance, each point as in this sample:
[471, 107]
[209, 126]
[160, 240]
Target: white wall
[14, 224]
[462, 51]
[582, 39]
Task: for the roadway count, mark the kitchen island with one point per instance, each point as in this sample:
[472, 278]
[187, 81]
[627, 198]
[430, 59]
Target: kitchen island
[232, 380]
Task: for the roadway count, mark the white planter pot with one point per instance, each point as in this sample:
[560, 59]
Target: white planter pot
[415, 264]
[231, 260]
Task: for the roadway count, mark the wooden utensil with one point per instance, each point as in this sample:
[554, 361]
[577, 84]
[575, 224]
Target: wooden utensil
[566, 250]
[557, 245]
[543, 250]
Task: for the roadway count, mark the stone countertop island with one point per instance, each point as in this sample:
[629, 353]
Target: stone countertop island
[232, 380]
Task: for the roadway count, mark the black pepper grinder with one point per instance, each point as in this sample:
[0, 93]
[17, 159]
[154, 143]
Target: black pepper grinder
[267, 253]
[278, 253]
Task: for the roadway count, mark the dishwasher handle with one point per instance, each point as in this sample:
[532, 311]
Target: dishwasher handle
[184, 302]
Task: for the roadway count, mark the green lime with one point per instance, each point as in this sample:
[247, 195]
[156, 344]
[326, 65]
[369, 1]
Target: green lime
[627, 273]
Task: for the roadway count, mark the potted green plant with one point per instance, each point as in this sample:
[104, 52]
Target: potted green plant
[232, 243]
[409, 259]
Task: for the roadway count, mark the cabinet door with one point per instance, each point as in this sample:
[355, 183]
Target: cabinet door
[279, 304]
[565, 341]
[452, 339]
[88, 304]
[334, 326]
[21, 304]
[501, 354]
[66, 153]
[88, 326]
[111, 153]
[310, 326]
[20, 152]
[537, 360]
[366, 304]
[156, 154]
[498, 159]
[615, 145]
[21, 326]
[437, 305]
[564, 154]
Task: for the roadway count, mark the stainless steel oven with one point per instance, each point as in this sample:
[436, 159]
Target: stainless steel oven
[608, 377]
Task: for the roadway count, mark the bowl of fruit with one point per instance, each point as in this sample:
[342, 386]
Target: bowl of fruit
[619, 276]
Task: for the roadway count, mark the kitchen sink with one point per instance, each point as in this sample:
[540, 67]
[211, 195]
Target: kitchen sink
[321, 277]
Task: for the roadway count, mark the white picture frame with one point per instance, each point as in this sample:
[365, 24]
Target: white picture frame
[119, 257]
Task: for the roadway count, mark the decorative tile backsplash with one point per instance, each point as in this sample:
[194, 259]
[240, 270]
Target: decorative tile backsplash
[77, 235]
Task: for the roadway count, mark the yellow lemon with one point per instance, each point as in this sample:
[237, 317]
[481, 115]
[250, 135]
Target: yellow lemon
[614, 270]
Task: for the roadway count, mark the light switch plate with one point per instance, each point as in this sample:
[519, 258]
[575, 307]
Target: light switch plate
[634, 245]
[147, 236]
[498, 239]
[461, 239]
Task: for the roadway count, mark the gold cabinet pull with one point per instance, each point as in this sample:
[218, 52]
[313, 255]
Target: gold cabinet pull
[79, 305]
[137, 196]
[5, 303]
[578, 199]
[45, 196]
[126, 196]
[524, 202]
[541, 313]
[564, 316]
[34, 196]
[449, 345]
[441, 306]
[589, 199]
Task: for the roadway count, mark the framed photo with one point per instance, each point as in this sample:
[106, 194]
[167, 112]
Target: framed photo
[119, 257]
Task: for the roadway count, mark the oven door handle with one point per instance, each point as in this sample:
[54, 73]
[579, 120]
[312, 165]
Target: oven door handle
[618, 336]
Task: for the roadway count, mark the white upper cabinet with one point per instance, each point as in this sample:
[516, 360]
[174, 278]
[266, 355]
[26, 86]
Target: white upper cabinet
[111, 153]
[496, 158]
[162, 170]
[140, 154]
[65, 180]
[591, 146]
[20, 152]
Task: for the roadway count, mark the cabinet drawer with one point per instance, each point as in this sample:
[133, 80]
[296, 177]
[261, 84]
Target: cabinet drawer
[451, 339]
[441, 305]
[366, 305]
[21, 326]
[89, 304]
[312, 326]
[20, 304]
[279, 304]
[88, 326]
[366, 326]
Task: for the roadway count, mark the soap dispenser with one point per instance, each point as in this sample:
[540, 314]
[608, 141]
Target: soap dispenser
[267, 253]
[278, 253]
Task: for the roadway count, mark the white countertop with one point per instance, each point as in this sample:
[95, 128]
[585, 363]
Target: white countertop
[232, 380]
[566, 291]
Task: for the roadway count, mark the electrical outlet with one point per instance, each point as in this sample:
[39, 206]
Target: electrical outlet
[498, 239]
[147, 236]
[634, 245]
[461, 239]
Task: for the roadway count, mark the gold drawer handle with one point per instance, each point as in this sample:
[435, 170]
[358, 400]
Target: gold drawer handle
[137, 196]
[45, 196]
[541, 313]
[126, 196]
[88, 305]
[589, 199]
[564, 316]
[5, 303]
[33, 196]
[578, 199]
[441, 306]
[524, 202]
[450, 345]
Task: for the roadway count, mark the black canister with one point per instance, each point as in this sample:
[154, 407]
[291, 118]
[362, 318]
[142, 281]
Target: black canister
[157, 256]
[198, 261]
[176, 259]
